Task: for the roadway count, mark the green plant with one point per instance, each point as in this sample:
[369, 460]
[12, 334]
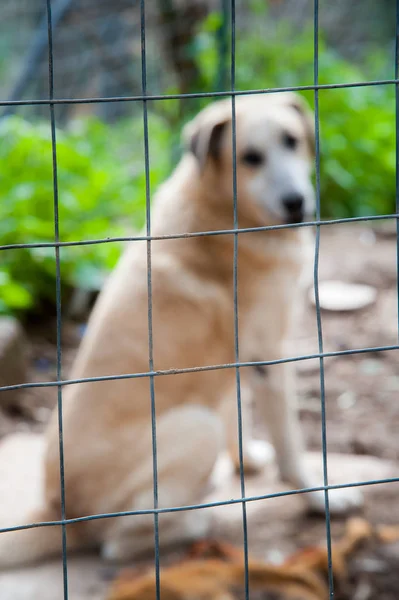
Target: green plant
[101, 183]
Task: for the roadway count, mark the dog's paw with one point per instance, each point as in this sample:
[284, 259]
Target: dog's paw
[257, 455]
[341, 501]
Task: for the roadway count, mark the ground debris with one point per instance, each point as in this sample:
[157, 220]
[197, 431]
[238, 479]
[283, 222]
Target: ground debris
[365, 567]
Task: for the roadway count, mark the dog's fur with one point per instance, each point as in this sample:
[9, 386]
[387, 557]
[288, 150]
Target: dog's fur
[107, 424]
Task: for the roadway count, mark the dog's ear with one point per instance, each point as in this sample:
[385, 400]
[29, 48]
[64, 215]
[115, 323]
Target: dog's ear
[203, 135]
[301, 106]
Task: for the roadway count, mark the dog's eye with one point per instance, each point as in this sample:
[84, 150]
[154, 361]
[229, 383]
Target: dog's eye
[290, 141]
[254, 158]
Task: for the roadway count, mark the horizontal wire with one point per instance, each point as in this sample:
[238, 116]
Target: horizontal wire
[233, 365]
[215, 504]
[194, 234]
[215, 94]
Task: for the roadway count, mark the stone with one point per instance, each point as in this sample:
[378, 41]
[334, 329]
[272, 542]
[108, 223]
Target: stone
[13, 358]
[341, 296]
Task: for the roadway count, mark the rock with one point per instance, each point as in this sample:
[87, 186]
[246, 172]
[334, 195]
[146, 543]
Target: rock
[13, 358]
[341, 296]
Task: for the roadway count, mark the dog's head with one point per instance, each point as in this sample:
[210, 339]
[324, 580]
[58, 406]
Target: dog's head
[274, 154]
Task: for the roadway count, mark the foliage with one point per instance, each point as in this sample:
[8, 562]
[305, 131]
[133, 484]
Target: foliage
[101, 183]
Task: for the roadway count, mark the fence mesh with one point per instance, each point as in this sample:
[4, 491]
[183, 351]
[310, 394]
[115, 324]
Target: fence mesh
[49, 102]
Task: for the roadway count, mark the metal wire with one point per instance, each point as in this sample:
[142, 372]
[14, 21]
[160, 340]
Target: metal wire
[58, 300]
[215, 94]
[149, 289]
[317, 300]
[174, 509]
[259, 363]
[223, 46]
[144, 98]
[177, 236]
[235, 299]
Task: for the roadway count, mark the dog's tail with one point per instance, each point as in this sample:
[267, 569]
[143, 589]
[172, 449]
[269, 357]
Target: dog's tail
[26, 546]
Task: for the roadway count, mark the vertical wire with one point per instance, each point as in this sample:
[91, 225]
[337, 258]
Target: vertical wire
[318, 314]
[149, 289]
[235, 294]
[222, 42]
[397, 150]
[57, 294]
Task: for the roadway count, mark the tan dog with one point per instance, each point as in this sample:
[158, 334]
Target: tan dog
[107, 424]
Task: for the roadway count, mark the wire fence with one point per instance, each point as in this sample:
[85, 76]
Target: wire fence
[144, 99]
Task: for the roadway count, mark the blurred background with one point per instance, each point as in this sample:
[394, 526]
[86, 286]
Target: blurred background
[97, 53]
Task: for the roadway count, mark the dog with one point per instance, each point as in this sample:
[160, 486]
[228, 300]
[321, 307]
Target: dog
[107, 424]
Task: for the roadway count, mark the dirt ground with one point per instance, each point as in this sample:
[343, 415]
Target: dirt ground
[361, 389]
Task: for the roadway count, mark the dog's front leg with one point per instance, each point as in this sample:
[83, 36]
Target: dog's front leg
[256, 453]
[276, 399]
[276, 402]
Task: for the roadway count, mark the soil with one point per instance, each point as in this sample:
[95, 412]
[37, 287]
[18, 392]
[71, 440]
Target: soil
[373, 574]
[361, 389]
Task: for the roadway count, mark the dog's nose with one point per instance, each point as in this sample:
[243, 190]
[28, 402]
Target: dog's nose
[293, 203]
